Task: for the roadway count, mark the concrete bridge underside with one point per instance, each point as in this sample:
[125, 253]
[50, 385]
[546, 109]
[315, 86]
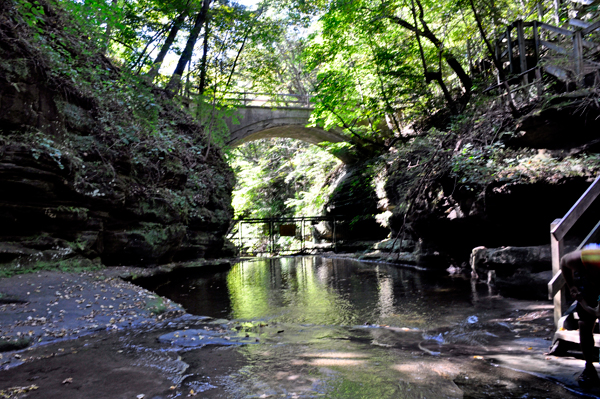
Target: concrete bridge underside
[257, 123]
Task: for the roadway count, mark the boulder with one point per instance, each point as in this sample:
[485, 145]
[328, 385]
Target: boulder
[518, 272]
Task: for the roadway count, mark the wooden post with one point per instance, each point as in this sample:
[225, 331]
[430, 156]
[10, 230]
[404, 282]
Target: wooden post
[538, 79]
[578, 57]
[498, 54]
[557, 248]
[510, 49]
[536, 41]
[522, 52]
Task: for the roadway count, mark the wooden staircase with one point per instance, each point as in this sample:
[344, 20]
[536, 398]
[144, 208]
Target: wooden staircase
[571, 54]
[566, 330]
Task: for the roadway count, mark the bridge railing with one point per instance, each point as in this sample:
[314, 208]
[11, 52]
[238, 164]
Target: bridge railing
[285, 100]
[283, 236]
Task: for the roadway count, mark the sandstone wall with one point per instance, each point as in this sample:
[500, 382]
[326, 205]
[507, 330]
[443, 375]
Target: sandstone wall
[97, 165]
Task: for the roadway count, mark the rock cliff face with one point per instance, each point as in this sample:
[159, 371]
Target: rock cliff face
[498, 182]
[97, 164]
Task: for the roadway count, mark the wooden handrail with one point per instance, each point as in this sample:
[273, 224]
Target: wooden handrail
[556, 284]
[591, 28]
[556, 29]
[579, 23]
[562, 228]
[554, 47]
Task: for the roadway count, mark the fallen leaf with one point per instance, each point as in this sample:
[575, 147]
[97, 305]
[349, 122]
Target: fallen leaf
[68, 381]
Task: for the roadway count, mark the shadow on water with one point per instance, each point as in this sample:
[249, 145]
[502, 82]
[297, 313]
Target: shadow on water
[339, 328]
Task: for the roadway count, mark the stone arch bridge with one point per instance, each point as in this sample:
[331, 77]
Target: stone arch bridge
[252, 122]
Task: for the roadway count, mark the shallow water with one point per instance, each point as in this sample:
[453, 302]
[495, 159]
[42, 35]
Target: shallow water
[314, 290]
[340, 328]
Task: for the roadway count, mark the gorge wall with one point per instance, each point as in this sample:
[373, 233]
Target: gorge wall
[94, 163]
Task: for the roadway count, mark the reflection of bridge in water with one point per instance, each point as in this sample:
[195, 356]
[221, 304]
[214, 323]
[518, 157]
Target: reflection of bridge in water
[298, 235]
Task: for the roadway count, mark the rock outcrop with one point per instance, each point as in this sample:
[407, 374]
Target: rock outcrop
[97, 164]
[496, 180]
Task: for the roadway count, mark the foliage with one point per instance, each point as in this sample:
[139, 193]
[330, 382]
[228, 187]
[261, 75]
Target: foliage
[281, 177]
[70, 265]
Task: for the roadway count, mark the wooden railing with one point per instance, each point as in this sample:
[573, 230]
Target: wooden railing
[558, 230]
[524, 52]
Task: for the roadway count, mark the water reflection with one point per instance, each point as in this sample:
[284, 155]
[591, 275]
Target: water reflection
[288, 290]
[321, 291]
[318, 321]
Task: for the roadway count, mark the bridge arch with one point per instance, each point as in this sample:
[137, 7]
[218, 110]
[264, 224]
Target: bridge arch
[255, 123]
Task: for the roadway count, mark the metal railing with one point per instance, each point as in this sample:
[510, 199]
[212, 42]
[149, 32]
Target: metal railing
[256, 236]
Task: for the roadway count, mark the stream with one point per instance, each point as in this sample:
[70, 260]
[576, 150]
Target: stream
[339, 328]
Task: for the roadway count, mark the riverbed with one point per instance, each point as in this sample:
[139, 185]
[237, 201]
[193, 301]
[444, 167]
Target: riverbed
[298, 327]
[340, 328]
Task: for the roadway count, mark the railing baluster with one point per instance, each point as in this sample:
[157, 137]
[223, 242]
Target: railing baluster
[522, 53]
[578, 57]
[510, 49]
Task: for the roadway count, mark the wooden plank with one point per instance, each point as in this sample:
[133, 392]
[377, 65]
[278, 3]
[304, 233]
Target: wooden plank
[556, 284]
[561, 229]
[554, 47]
[527, 24]
[557, 249]
[510, 49]
[556, 71]
[573, 336]
[556, 29]
[536, 42]
[579, 23]
[591, 28]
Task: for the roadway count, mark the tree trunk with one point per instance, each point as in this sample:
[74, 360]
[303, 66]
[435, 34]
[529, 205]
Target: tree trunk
[429, 76]
[497, 62]
[204, 61]
[107, 32]
[151, 75]
[452, 62]
[186, 56]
